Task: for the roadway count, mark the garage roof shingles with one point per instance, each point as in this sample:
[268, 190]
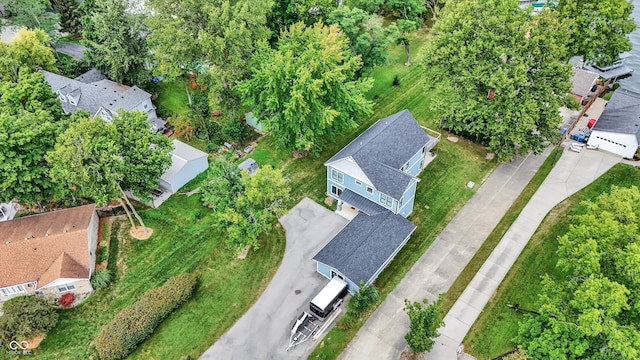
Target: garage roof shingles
[621, 114]
[45, 247]
[365, 244]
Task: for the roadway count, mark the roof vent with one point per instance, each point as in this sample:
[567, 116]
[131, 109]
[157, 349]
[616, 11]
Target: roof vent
[46, 234]
[8, 242]
[64, 231]
[34, 249]
[26, 238]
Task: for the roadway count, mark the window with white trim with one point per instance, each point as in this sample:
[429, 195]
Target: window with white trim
[337, 176]
[386, 200]
[400, 202]
[66, 287]
[405, 167]
[358, 183]
[336, 190]
[10, 290]
[62, 97]
[369, 189]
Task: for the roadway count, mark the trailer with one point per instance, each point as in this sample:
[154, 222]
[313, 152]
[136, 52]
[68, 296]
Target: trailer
[303, 328]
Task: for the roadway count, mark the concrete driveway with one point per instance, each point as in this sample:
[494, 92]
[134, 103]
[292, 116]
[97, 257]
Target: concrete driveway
[263, 332]
[74, 50]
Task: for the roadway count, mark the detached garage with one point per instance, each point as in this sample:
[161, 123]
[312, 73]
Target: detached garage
[186, 163]
[618, 128]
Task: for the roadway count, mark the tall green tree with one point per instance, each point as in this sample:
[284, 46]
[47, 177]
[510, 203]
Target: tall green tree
[215, 36]
[32, 14]
[31, 119]
[500, 74]
[599, 28]
[70, 15]
[101, 160]
[224, 185]
[304, 92]
[28, 50]
[285, 13]
[115, 41]
[592, 311]
[263, 199]
[408, 9]
[367, 37]
[370, 6]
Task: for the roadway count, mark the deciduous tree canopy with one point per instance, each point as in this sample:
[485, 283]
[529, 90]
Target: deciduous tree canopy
[499, 74]
[599, 28]
[592, 312]
[305, 91]
[28, 50]
[32, 14]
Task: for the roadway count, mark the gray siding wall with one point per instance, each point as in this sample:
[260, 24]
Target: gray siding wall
[350, 183]
[189, 171]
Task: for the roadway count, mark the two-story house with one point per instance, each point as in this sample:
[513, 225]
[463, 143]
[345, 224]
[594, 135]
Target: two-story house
[377, 175]
[94, 93]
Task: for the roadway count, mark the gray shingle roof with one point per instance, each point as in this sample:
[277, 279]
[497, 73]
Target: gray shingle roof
[365, 244]
[361, 203]
[383, 148]
[582, 81]
[621, 114]
[101, 93]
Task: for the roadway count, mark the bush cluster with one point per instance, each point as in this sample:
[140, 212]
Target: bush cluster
[135, 323]
[25, 317]
[101, 278]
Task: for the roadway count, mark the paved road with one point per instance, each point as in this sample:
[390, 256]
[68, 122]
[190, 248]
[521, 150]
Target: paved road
[263, 332]
[382, 337]
[71, 49]
[573, 172]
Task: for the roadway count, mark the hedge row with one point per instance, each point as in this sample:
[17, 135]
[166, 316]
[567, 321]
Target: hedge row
[137, 322]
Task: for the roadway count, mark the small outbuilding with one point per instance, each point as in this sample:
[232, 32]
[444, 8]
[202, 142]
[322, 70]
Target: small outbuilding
[249, 165]
[583, 84]
[253, 121]
[186, 163]
[618, 128]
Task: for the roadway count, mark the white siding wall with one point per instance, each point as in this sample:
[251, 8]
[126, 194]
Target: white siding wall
[624, 145]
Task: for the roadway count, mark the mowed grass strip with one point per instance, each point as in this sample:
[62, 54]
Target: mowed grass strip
[491, 334]
[498, 232]
[441, 193]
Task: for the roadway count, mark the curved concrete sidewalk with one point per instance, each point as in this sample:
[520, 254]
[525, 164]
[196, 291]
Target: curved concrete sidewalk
[573, 172]
[263, 331]
[382, 336]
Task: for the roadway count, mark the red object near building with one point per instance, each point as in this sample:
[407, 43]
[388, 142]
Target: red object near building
[591, 123]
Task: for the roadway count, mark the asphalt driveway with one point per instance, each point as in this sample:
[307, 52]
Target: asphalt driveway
[74, 50]
[263, 332]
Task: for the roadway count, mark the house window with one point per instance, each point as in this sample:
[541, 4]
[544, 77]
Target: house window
[386, 200]
[10, 290]
[337, 176]
[336, 190]
[424, 149]
[405, 167]
[400, 202]
[358, 183]
[369, 189]
[62, 98]
[66, 287]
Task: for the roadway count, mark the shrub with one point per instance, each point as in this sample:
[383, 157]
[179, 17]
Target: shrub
[103, 251]
[66, 300]
[135, 323]
[347, 321]
[425, 320]
[183, 127]
[363, 299]
[396, 80]
[25, 317]
[235, 130]
[101, 278]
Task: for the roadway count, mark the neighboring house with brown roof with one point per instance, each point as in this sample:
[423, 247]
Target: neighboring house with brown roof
[48, 254]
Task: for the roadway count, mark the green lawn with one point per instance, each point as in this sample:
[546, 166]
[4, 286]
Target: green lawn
[172, 98]
[491, 334]
[185, 239]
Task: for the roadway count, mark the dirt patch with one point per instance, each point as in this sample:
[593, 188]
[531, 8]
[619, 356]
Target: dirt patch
[138, 233]
[407, 354]
[35, 342]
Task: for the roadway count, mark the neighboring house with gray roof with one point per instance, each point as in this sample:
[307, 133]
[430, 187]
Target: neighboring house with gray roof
[618, 128]
[186, 163]
[583, 84]
[94, 93]
[377, 175]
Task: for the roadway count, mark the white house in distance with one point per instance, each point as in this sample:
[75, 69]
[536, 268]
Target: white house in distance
[48, 254]
[618, 128]
[186, 163]
[94, 93]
